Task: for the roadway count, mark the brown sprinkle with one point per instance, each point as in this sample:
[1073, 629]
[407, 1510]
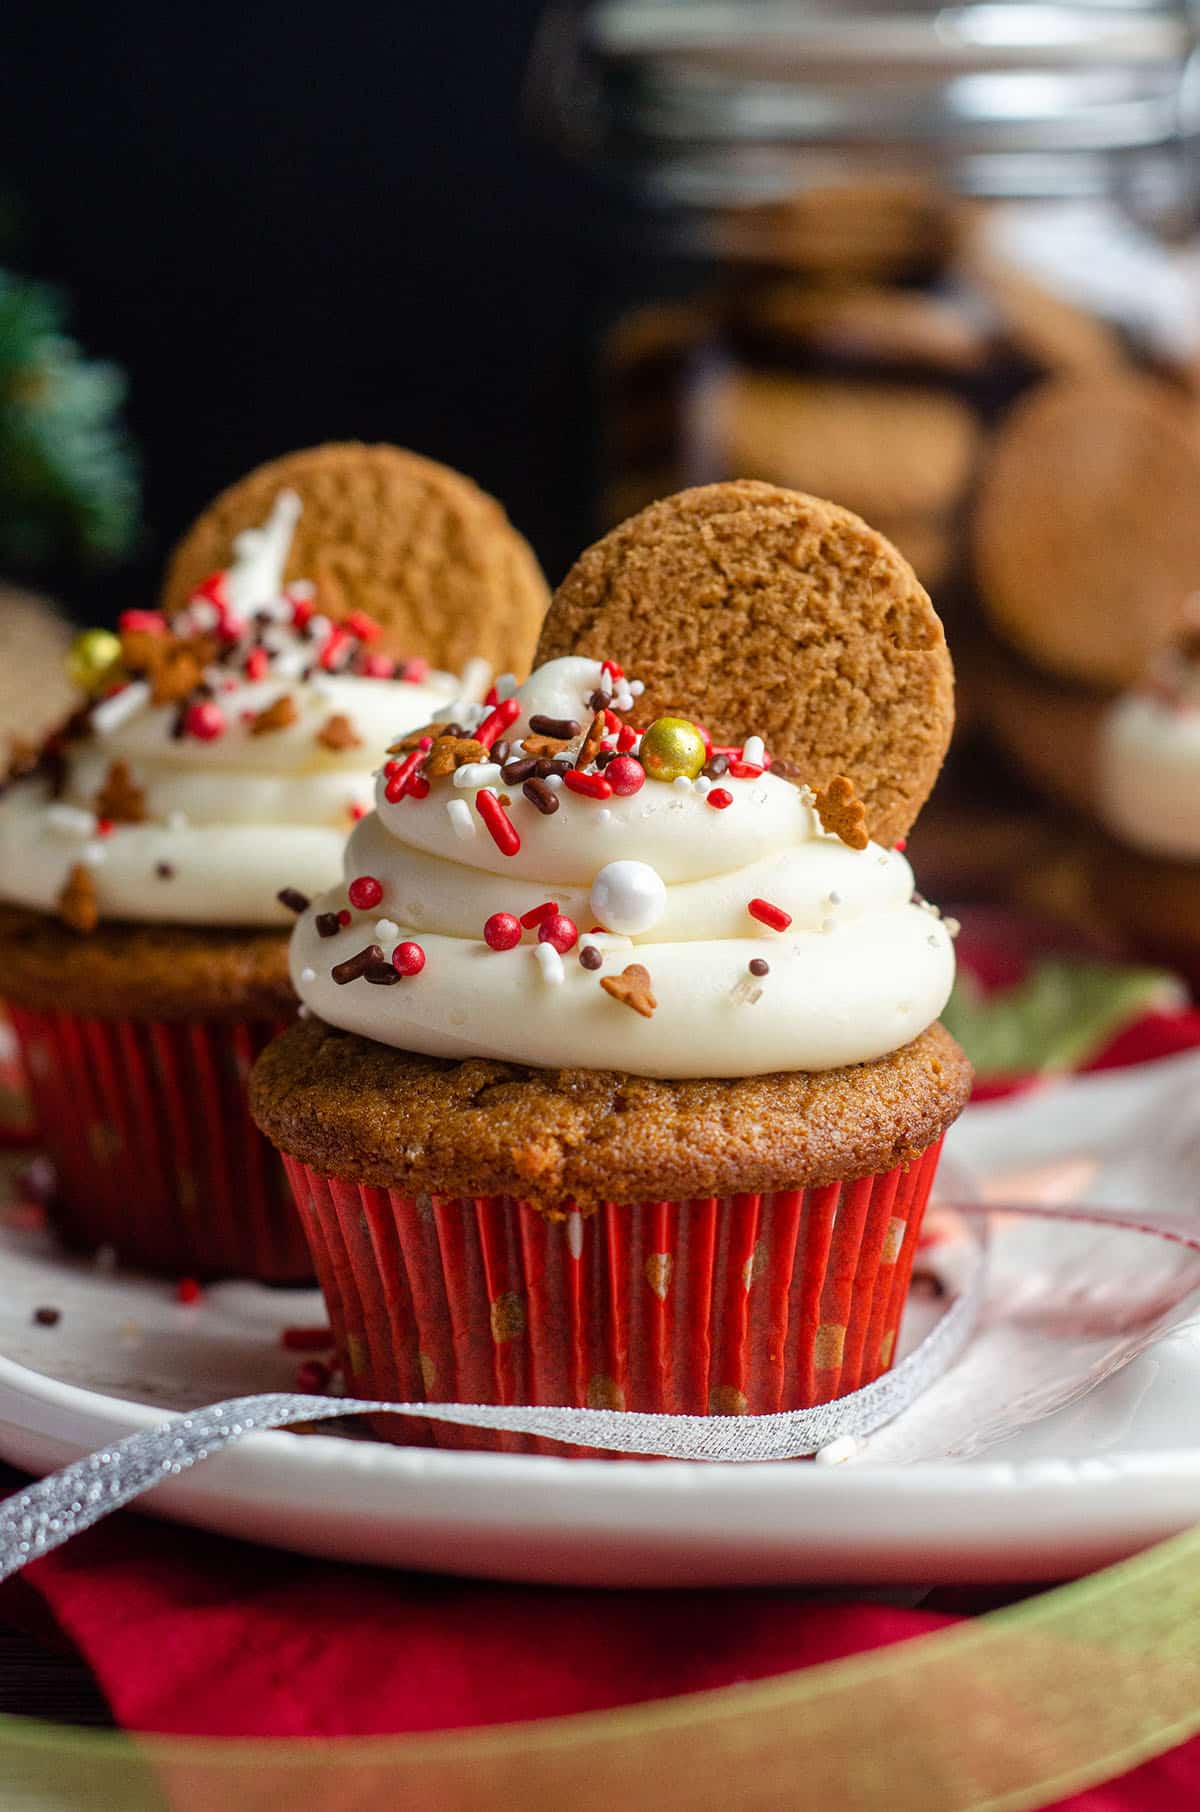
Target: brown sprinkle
[590, 957]
[713, 770]
[47, 1317]
[338, 732]
[541, 795]
[590, 747]
[164, 871]
[120, 798]
[174, 665]
[759, 966]
[77, 905]
[564, 728]
[279, 716]
[328, 924]
[293, 899]
[632, 988]
[357, 965]
[382, 974]
[514, 772]
[842, 813]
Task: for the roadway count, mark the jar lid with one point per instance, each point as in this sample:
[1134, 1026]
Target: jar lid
[709, 101]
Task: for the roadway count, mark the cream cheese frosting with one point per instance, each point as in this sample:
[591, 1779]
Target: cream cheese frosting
[769, 943]
[1149, 762]
[250, 780]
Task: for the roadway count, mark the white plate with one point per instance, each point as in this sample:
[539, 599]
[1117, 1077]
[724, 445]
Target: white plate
[1067, 1437]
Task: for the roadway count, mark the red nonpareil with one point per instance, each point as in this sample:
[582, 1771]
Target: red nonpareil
[559, 931]
[364, 893]
[408, 959]
[502, 931]
[719, 798]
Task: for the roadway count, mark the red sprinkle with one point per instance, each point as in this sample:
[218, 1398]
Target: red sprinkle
[142, 622]
[491, 696]
[403, 772]
[707, 739]
[343, 918]
[306, 1340]
[188, 1290]
[745, 770]
[357, 811]
[537, 915]
[502, 931]
[497, 721]
[592, 786]
[560, 931]
[414, 671]
[363, 626]
[718, 798]
[379, 666]
[613, 671]
[213, 590]
[612, 722]
[258, 664]
[625, 775]
[408, 959]
[335, 641]
[417, 788]
[313, 1377]
[766, 914]
[901, 844]
[104, 827]
[501, 828]
[303, 611]
[364, 892]
[627, 736]
[204, 720]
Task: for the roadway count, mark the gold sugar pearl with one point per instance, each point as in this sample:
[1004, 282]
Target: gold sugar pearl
[672, 747]
[91, 658]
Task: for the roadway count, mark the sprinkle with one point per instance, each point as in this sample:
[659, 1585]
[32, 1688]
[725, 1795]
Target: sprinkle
[312, 1378]
[77, 904]
[766, 914]
[293, 899]
[593, 742]
[753, 751]
[386, 929]
[632, 988]
[562, 729]
[702, 785]
[357, 812]
[459, 814]
[497, 721]
[408, 959]
[104, 827]
[343, 917]
[364, 892]
[603, 816]
[539, 793]
[381, 975]
[47, 1317]
[514, 772]
[590, 957]
[759, 966]
[637, 687]
[404, 772]
[164, 871]
[258, 664]
[71, 820]
[744, 770]
[537, 915]
[308, 975]
[204, 720]
[560, 931]
[716, 767]
[188, 1290]
[719, 798]
[116, 710]
[627, 738]
[842, 813]
[552, 780]
[379, 666]
[478, 773]
[901, 844]
[306, 1340]
[682, 783]
[500, 826]
[549, 962]
[356, 965]
[836, 1453]
[592, 786]
[502, 931]
[953, 926]
[280, 715]
[506, 686]
[328, 924]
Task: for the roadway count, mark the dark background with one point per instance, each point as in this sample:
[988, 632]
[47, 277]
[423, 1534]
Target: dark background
[298, 223]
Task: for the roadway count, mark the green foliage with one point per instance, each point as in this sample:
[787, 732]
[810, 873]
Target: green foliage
[1059, 1017]
[69, 493]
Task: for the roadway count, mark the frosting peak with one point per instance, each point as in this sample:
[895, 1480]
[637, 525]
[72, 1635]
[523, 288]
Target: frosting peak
[573, 910]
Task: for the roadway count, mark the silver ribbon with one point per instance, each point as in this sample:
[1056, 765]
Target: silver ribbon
[46, 1514]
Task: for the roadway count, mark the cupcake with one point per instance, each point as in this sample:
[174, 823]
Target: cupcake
[217, 753]
[620, 1081]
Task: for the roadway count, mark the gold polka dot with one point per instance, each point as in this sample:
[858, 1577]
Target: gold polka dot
[725, 1400]
[886, 1348]
[658, 1270]
[104, 1141]
[508, 1317]
[893, 1239]
[829, 1345]
[428, 1372]
[356, 1356]
[604, 1393]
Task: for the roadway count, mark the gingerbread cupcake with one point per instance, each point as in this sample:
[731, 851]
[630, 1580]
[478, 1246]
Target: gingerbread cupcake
[153, 852]
[623, 1083]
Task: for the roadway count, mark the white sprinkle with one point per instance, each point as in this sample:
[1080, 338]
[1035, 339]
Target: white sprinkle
[71, 820]
[204, 613]
[387, 929]
[117, 710]
[177, 821]
[474, 680]
[461, 821]
[835, 899]
[610, 940]
[466, 712]
[837, 1452]
[554, 782]
[703, 785]
[478, 773]
[828, 925]
[682, 783]
[93, 854]
[318, 628]
[575, 1233]
[882, 861]
[301, 1012]
[636, 687]
[753, 750]
[549, 962]
[953, 926]
[605, 683]
[308, 975]
[604, 816]
[506, 686]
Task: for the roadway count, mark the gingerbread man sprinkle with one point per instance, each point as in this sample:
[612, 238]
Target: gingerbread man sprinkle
[632, 988]
[338, 733]
[77, 903]
[279, 716]
[842, 813]
[120, 798]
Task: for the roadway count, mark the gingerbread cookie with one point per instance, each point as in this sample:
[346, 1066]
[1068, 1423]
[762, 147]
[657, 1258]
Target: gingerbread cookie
[1087, 531]
[417, 546]
[764, 611]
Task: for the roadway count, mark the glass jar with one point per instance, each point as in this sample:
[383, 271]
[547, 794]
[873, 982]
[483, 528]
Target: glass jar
[862, 239]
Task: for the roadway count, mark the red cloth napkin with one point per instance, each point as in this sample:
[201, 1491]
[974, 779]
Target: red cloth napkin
[194, 1634]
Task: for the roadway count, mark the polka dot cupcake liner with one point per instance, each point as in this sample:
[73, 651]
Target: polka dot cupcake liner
[736, 1305]
[154, 1150]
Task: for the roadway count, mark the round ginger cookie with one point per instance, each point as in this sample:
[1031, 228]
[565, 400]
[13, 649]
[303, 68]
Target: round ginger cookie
[416, 545]
[760, 611]
[1087, 527]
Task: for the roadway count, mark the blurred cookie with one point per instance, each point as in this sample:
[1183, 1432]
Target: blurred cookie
[767, 612]
[866, 229]
[417, 546]
[890, 450]
[1045, 330]
[1087, 526]
[1047, 729]
[871, 324]
[35, 691]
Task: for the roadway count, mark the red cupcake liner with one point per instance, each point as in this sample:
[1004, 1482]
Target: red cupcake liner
[733, 1305]
[155, 1152]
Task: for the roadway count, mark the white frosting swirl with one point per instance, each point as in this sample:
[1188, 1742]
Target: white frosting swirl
[860, 970]
[1150, 773]
[228, 820]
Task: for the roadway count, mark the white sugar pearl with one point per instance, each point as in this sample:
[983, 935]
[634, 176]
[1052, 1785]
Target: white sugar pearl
[387, 930]
[628, 896]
